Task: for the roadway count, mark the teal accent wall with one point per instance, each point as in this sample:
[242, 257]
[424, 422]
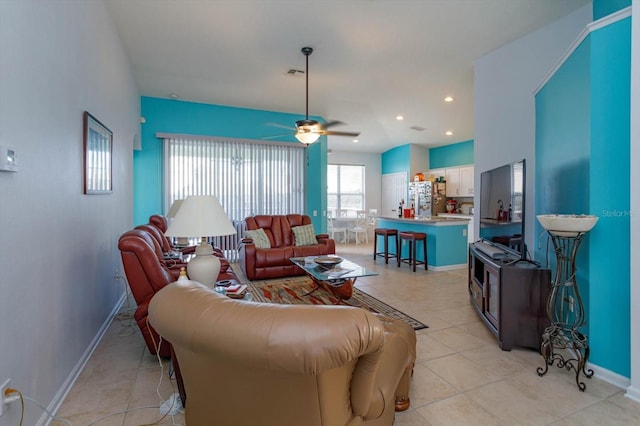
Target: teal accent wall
[316, 187]
[602, 8]
[457, 154]
[563, 156]
[610, 188]
[582, 166]
[170, 116]
[396, 160]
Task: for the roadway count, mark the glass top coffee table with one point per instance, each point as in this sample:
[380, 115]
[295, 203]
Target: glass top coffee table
[338, 280]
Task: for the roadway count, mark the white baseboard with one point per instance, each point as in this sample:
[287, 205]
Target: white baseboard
[633, 394]
[62, 393]
[448, 267]
[609, 376]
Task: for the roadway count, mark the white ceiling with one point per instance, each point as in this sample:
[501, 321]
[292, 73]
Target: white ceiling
[372, 59]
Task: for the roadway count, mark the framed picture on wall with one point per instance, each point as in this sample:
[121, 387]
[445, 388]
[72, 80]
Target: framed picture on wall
[97, 146]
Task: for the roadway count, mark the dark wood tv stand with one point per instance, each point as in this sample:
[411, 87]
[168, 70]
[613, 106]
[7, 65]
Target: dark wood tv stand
[510, 296]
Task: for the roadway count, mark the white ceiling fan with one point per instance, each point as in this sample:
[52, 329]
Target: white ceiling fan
[308, 131]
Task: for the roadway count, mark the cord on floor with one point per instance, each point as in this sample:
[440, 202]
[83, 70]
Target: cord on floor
[126, 316]
[24, 398]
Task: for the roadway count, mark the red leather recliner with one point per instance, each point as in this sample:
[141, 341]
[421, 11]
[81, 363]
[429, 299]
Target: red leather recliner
[158, 235]
[266, 263]
[146, 276]
[147, 272]
[173, 265]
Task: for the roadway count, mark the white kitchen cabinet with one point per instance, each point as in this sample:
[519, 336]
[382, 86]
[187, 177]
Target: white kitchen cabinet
[452, 176]
[435, 173]
[466, 181]
[459, 181]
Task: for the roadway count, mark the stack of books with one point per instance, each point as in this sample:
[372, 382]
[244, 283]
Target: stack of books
[236, 291]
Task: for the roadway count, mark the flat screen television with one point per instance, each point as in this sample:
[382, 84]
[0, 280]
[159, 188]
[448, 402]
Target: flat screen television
[502, 207]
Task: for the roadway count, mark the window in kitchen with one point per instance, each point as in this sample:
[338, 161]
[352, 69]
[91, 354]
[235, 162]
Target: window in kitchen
[345, 187]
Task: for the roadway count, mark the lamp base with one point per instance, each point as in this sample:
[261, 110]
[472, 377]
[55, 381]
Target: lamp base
[204, 267]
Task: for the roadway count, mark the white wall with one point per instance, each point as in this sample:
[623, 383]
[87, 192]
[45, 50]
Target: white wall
[373, 173]
[634, 390]
[504, 83]
[58, 247]
[419, 161]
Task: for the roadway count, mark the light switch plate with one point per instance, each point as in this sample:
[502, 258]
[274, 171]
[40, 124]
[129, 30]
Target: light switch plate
[8, 159]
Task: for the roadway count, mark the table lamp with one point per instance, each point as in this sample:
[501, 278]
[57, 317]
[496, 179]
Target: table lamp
[181, 241]
[201, 216]
[174, 208]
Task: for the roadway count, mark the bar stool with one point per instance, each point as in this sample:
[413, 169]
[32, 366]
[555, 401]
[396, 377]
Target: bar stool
[413, 237]
[386, 233]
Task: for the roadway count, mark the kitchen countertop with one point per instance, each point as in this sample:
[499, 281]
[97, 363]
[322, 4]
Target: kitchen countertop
[433, 220]
[456, 215]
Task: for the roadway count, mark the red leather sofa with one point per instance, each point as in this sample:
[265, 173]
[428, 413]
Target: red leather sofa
[265, 263]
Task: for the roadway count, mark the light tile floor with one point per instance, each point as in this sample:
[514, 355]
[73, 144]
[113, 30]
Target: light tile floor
[461, 377]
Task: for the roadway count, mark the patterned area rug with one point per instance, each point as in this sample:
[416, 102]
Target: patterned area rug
[293, 290]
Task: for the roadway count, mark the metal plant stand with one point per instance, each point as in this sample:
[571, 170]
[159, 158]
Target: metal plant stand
[562, 341]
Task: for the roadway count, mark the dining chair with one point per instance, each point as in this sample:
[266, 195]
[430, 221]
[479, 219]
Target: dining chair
[371, 224]
[360, 228]
[341, 213]
[335, 228]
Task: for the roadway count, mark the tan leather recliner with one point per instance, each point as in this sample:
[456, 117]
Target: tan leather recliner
[246, 363]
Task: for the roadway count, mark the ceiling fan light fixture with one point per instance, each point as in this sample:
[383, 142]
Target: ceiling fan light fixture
[308, 131]
[307, 138]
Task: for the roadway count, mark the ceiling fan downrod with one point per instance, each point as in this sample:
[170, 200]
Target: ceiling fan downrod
[306, 51]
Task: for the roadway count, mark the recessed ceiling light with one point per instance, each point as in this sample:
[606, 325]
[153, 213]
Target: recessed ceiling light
[448, 133]
[173, 96]
[448, 99]
[356, 141]
[399, 118]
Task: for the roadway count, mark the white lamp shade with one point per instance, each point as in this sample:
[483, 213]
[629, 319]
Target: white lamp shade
[174, 208]
[200, 216]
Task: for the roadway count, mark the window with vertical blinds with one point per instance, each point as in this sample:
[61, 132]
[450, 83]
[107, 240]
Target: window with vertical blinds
[248, 177]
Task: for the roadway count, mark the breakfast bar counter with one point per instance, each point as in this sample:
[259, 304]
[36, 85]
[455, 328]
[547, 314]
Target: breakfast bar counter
[447, 242]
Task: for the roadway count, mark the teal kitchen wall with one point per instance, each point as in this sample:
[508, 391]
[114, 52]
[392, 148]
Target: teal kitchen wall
[179, 117]
[582, 151]
[457, 154]
[409, 159]
[396, 160]
[602, 8]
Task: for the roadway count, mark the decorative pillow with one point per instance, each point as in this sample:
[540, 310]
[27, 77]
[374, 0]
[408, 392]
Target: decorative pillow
[259, 238]
[304, 235]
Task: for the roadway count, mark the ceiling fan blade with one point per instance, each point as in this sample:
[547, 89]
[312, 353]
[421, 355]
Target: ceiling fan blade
[333, 133]
[333, 123]
[277, 136]
[281, 126]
